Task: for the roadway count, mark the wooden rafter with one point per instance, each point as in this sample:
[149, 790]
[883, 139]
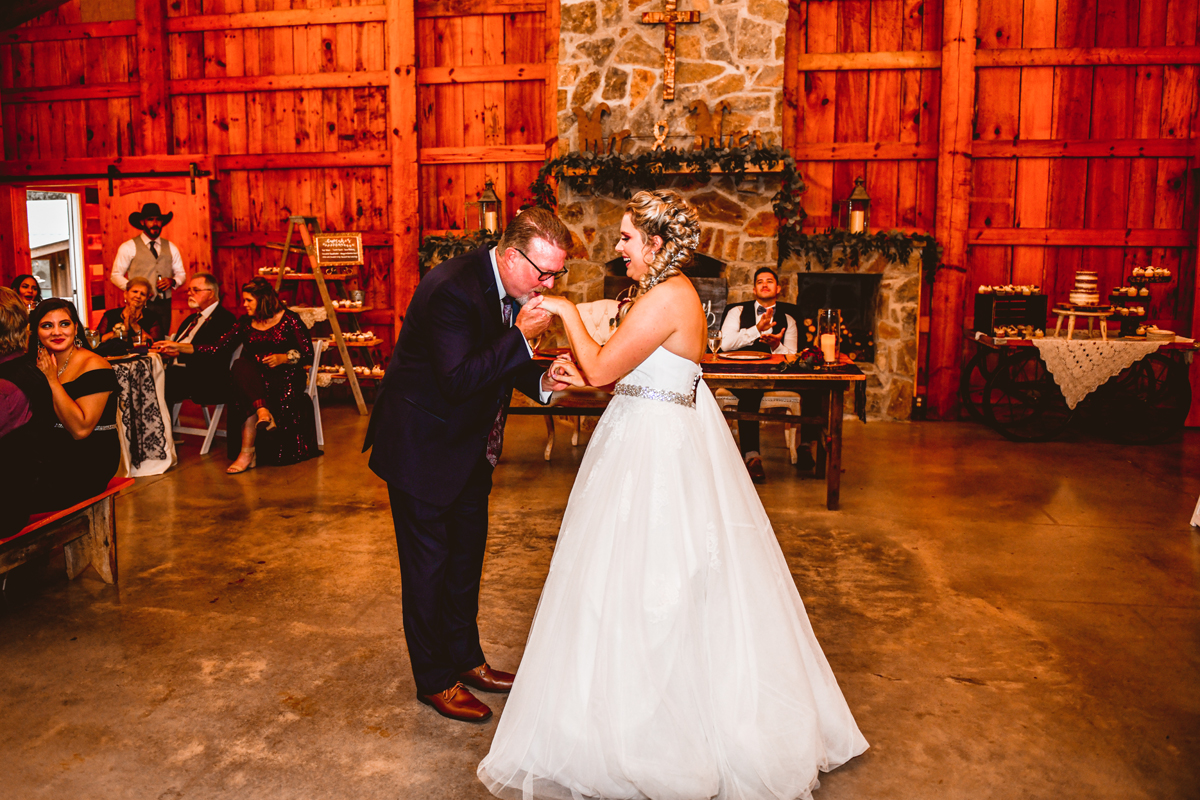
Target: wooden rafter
[18, 12]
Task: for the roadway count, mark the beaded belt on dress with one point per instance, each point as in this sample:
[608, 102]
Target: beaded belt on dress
[688, 400]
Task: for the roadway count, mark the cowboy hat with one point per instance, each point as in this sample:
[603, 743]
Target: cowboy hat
[149, 210]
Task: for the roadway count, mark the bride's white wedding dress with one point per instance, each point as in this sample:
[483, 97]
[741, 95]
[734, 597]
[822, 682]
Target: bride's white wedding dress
[670, 656]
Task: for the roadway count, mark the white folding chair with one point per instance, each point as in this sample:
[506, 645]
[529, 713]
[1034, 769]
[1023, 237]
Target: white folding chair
[318, 347]
[788, 401]
[213, 420]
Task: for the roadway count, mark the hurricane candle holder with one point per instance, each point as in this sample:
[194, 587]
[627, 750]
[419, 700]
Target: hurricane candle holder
[829, 334]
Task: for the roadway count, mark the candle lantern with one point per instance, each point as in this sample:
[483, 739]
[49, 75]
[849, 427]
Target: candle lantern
[856, 211]
[489, 208]
[829, 334]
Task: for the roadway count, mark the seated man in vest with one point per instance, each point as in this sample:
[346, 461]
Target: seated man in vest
[766, 325]
[151, 257]
[202, 379]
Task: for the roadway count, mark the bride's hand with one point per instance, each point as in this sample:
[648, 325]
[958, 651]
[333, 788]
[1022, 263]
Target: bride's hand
[555, 305]
[563, 373]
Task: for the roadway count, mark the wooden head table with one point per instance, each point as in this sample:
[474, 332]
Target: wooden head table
[721, 373]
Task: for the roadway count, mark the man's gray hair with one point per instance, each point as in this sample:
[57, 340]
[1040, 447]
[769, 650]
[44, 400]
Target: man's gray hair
[535, 223]
[210, 282]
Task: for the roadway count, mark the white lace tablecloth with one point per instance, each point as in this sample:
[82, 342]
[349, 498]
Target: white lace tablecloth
[1080, 367]
[310, 315]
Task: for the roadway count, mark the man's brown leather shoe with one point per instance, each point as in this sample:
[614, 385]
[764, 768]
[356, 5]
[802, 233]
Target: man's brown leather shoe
[486, 679]
[755, 468]
[457, 703]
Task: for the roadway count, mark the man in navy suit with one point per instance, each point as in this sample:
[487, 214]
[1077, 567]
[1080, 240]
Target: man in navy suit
[436, 433]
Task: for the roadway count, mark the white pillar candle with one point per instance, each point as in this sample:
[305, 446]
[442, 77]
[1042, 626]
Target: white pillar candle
[489, 220]
[858, 221]
[829, 347]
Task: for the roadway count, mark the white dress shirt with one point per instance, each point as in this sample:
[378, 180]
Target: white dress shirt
[735, 337]
[128, 250]
[502, 293]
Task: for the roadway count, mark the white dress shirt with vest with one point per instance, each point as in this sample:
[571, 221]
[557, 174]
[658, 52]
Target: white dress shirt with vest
[143, 257]
[740, 328]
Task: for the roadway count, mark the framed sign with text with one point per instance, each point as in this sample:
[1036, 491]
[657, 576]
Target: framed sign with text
[338, 249]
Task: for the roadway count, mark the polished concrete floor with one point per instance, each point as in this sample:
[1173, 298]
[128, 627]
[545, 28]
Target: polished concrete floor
[1005, 621]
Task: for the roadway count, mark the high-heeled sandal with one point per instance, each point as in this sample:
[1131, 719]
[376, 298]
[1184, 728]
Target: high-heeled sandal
[267, 424]
[233, 469]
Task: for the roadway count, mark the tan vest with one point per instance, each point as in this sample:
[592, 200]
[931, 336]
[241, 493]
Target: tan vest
[145, 265]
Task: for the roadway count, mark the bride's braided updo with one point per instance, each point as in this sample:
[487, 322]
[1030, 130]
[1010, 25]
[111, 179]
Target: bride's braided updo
[664, 213]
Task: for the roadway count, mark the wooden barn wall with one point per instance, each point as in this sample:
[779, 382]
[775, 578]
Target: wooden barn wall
[299, 107]
[1079, 151]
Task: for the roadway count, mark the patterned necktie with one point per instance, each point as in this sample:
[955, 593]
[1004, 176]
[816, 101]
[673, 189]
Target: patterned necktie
[496, 437]
[191, 323]
[154, 249]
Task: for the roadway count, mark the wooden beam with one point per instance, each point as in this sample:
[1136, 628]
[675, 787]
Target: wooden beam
[277, 19]
[155, 127]
[48, 168]
[480, 155]
[18, 12]
[86, 91]
[319, 160]
[1088, 148]
[1085, 57]
[1193, 417]
[427, 76]
[953, 203]
[792, 44]
[59, 33]
[467, 8]
[401, 61]
[843, 62]
[1080, 237]
[864, 151]
[274, 83]
[264, 238]
[14, 234]
[551, 28]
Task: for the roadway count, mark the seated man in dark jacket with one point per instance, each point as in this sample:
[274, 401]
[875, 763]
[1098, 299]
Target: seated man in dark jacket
[202, 379]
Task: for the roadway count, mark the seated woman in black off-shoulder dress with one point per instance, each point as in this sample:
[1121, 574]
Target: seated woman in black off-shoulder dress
[83, 449]
[268, 380]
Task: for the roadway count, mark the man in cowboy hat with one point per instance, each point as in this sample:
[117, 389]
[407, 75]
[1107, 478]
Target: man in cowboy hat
[151, 257]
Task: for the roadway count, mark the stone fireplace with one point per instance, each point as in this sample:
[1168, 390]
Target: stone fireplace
[735, 54]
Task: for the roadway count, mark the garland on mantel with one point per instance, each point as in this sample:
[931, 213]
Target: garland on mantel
[623, 173]
[838, 247]
[436, 249]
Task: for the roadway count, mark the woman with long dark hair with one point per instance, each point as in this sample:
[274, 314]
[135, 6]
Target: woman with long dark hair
[28, 289]
[269, 399]
[83, 447]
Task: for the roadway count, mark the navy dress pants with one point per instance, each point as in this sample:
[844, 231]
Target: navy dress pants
[441, 561]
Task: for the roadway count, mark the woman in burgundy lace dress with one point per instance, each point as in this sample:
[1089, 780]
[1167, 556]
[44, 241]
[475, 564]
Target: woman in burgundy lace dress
[269, 401]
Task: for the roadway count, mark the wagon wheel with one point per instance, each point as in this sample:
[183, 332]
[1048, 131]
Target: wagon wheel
[1022, 401]
[1148, 402]
[974, 377]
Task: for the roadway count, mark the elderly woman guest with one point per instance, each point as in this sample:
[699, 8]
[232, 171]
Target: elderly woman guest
[268, 380]
[27, 287]
[133, 316]
[82, 448]
[23, 390]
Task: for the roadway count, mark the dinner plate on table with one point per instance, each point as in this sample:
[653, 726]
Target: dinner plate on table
[745, 355]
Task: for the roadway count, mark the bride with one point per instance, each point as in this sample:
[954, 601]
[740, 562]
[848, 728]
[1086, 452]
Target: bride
[670, 656]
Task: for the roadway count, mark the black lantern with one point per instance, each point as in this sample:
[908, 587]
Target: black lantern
[489, 208]
[856, 211]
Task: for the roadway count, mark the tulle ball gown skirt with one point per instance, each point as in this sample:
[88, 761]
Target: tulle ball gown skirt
[670, 656]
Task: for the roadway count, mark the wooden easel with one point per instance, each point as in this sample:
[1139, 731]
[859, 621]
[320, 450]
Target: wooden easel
[307, 226]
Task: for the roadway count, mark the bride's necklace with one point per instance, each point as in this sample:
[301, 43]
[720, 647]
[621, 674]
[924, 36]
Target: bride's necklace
[63, 368]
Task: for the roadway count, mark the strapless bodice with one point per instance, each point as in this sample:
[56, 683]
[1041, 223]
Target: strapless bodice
[663, 372]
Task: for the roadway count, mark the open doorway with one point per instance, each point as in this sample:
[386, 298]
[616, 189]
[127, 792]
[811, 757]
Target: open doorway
[56, 244]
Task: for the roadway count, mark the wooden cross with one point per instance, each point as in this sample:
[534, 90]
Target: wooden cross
[670, 18]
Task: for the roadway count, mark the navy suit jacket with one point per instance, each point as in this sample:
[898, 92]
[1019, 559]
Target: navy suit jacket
[454, 367]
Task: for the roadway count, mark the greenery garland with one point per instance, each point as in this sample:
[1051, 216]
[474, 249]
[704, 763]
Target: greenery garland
[623, 174]
[436, 249]
[840, 248]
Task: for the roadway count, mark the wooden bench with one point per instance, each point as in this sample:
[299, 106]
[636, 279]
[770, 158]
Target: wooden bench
[87, 531]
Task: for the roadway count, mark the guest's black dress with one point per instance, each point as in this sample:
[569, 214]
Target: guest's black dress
[116, 316]
[281, 389]
[83, 467]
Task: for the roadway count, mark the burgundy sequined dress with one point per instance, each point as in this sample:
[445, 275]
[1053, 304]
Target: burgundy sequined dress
[295, 437]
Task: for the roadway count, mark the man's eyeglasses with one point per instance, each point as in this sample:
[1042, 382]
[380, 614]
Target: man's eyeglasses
[201, 290]
[542, 274]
